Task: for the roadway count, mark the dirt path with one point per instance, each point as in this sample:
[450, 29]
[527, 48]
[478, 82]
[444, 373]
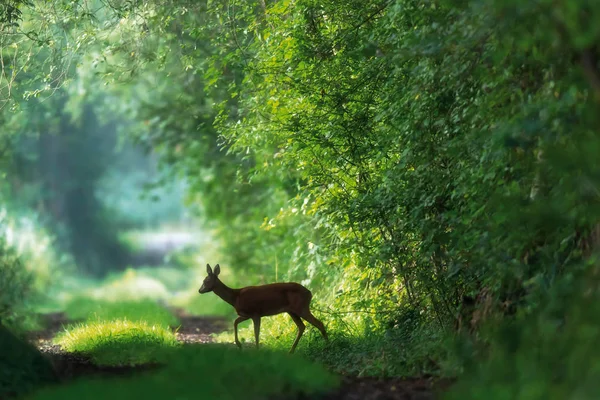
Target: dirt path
[194, 330]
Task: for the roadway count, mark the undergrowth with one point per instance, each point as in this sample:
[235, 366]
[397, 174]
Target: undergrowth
[553, 353]
[29, 267]
[207, 372]
[376, 353]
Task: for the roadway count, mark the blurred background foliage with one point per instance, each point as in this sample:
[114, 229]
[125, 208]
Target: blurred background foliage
[428, 168]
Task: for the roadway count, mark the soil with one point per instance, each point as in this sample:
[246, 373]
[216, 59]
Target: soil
[195, 330]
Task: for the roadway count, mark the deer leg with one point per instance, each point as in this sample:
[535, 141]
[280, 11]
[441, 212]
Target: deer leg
[307, 315]
[235, 324]
[301, 328]
[256, 322]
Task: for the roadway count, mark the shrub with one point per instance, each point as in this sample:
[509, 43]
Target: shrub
[15, 284]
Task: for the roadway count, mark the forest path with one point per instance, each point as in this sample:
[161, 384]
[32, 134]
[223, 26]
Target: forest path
[194, 330]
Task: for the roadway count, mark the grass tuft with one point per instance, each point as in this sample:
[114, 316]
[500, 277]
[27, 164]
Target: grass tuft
[117, 342]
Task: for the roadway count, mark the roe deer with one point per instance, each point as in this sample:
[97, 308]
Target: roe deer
[254, 302]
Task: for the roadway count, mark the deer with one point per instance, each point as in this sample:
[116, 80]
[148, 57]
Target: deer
[255, 302]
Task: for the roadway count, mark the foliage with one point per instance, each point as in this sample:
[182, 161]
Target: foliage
[59, 166]
[10, 12]
[207, 371]
[401, 158]
[118, 341]
[15, 283]
[395, 154]
[29, 266]
[59, 142]
[551, 355]
[439, 151]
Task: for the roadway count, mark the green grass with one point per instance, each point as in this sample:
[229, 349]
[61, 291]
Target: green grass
[361, 352]
[101, 310]
[22, 367]
[117, 342]
[207, 372]
[118, 333]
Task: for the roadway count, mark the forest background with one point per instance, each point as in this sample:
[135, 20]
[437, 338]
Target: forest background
[429, 169]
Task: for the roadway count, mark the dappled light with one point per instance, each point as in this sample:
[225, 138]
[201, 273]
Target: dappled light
[401, 194]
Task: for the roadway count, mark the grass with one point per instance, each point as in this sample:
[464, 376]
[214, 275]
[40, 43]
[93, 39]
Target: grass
[117, 342]
[208, 372]
[22, 367]
[102, 310]
[118, 333]
[375, 353]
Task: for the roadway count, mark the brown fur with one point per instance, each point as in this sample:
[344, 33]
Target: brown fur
[254, 302]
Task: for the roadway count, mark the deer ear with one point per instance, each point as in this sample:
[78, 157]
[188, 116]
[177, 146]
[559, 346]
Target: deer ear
[208, 269]
[217, 270]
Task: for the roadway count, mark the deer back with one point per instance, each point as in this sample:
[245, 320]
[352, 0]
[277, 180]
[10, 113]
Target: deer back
[271, 299]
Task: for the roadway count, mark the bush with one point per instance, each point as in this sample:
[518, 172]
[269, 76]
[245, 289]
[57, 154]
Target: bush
[15, 284]
[29, 268]
[551, 354]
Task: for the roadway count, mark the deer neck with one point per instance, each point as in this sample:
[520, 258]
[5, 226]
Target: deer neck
[225, 292]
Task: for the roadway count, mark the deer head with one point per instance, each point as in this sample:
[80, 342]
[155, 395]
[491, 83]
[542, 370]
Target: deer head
[209, 282]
